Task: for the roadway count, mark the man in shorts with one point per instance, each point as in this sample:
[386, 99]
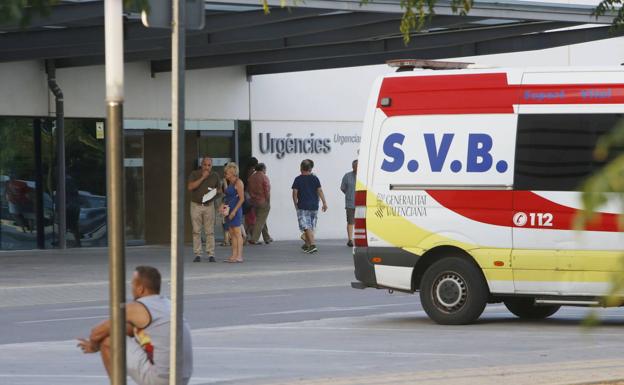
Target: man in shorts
[348, 188]
[147, 325]
[306, 191]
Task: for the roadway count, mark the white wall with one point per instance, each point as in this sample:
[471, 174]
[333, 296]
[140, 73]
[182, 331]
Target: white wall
[24, 89]
[220, 93]
[325, 95]
[328, 167]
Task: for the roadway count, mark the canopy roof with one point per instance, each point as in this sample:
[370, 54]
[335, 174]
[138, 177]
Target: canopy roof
[314, 34]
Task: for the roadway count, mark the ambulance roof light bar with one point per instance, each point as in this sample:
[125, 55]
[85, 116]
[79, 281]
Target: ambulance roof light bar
[410, 64]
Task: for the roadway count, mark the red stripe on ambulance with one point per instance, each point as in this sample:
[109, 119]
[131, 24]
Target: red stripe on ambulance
[483, 93]
[538, 211]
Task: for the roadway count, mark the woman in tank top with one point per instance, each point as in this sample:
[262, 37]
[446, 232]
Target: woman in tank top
[233, 211]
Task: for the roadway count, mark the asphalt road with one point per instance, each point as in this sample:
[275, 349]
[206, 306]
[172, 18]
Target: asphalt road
[288, 318]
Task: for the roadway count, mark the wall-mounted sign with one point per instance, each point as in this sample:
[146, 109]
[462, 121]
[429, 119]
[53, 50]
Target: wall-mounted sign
[99, 130]
[280, 146]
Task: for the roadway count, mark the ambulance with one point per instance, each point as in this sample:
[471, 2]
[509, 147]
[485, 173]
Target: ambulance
[468, 187]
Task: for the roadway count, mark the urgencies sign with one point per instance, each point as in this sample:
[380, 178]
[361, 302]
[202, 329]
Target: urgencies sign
[281, 146]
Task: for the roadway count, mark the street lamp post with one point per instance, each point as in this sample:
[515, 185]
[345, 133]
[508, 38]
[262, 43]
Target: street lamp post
[178, 61]
[113, 29]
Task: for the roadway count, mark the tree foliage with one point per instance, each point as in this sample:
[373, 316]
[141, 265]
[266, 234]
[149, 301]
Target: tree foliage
[22, 11]
[415, 12]
[606, 185]
[612, 6]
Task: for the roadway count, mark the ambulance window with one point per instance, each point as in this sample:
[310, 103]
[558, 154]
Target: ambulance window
[555, 152]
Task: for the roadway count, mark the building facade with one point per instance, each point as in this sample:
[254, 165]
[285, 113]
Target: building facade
[280, 119]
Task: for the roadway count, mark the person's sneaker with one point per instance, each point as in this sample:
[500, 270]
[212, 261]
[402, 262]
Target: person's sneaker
[350, 243]
[304, 247]
[197, 259]
[311, 249]
[212, 259]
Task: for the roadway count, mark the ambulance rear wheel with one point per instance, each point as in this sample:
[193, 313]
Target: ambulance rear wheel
[453, 292]
[525, 308]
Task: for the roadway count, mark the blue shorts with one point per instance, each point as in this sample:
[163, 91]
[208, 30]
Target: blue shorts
[307, 219]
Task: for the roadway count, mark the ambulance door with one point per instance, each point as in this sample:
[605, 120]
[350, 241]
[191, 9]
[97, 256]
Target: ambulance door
[554, 156]
[445, 180]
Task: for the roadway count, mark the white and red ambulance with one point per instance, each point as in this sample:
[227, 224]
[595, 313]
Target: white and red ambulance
[468, 186]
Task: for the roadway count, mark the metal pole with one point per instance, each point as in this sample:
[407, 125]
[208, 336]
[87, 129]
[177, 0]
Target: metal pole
[177, 189]
[113, 29]
[39, 185]
[61, 211]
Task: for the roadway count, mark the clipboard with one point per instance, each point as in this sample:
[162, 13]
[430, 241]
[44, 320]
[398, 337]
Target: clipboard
[212, 192]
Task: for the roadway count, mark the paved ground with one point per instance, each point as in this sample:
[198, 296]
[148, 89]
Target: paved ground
[284, 317]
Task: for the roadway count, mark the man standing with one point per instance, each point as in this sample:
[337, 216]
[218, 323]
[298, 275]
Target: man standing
[204, 186]
[147, 345]
[348, 188]
[306, 191]
[259, 188]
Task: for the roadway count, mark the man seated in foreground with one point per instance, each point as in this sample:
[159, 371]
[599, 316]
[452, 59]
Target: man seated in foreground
[147, 326]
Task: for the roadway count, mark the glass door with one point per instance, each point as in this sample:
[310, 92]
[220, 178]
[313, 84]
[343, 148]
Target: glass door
[219, 145]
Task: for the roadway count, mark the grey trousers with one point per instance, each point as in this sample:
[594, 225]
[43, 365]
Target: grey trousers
[262, 213]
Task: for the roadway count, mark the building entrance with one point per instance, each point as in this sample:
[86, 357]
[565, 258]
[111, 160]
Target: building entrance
[28, 217]
[148, 178]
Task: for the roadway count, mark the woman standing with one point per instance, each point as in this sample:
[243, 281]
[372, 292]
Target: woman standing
[233, 212]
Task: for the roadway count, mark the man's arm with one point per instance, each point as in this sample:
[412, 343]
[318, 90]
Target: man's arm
[294, 196]
[343, 184]
[98, 334]
[319, 191]
[266, 185]
[136, 316]
[192, 185]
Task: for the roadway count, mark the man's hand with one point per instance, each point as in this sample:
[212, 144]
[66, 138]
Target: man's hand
[205, 174]
[87, 346]
[324, 207]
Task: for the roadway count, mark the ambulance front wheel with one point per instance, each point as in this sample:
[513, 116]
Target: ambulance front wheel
[526, 308]
[453, 291]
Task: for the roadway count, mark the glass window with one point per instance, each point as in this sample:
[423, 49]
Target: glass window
[17, 185]
[219, 145]
[85, 183]
[555, 152]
